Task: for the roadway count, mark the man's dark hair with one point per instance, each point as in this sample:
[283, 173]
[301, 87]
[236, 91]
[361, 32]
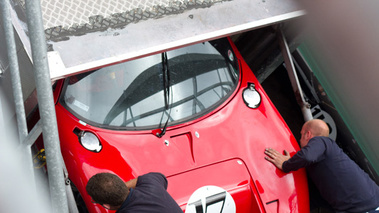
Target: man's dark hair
[107, 188]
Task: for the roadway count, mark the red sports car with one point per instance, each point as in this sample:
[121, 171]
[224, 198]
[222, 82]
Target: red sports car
[196, 114]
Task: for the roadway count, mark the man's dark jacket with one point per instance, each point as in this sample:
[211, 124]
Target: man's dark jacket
[341, 182]
[150, 196]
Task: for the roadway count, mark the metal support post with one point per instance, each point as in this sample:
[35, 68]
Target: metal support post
[304, 105]
[46, 106]
[14, 69]
[16, 86]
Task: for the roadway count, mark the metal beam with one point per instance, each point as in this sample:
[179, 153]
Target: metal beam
[16, 87]
[304, 105]
[46, 106]
[14, 69]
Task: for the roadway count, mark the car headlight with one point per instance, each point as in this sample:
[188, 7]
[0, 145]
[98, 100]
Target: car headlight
[251, 96]
[90, 141]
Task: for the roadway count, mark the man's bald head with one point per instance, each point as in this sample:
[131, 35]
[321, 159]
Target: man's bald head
[312, 128]
[317, 127]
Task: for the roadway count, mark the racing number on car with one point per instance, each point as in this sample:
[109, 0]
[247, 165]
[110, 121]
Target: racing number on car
[211, 199]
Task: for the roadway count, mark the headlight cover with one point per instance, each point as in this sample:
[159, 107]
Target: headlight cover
[90, 141]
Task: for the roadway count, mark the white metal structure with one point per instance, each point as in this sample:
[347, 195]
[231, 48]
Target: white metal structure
[84, 34]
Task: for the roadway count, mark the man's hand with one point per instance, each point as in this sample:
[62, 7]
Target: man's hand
[276, 158]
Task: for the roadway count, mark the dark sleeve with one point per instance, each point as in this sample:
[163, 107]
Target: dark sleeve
[153, 177]
[309, 154]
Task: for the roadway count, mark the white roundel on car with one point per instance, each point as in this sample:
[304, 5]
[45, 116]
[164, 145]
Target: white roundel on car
[211, 199]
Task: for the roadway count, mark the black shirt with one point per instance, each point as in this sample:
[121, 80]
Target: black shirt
[341, 182]
[149, 196]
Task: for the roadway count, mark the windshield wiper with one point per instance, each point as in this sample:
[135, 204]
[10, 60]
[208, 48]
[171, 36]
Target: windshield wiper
[166, 91]
[166, 79]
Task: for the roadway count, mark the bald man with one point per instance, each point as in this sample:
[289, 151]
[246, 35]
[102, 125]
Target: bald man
[341, 182]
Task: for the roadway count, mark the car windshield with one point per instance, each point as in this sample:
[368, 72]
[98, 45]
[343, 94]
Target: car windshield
[171, 87]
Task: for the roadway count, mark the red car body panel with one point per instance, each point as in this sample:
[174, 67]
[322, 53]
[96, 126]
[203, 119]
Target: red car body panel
[224, 148]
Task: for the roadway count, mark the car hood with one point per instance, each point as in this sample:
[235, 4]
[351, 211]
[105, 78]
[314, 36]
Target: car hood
[208, 152]
[211, 146]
